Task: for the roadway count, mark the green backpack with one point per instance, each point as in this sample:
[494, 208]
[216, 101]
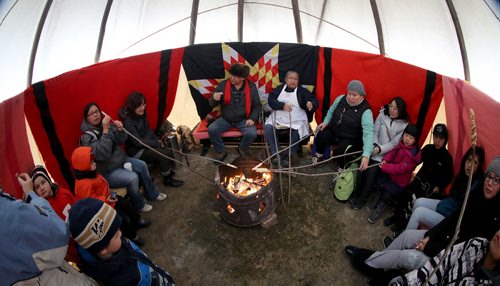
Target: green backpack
[345, 183]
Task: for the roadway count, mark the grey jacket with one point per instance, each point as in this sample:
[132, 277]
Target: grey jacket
[387, 133]
[105, 147]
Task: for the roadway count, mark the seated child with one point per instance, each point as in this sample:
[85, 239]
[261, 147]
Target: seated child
[107, 256]
[397, 167]
[91, 184]
[60, 198]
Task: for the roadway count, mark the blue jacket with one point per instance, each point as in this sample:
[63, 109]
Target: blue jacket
[129, 266]
[33, 238]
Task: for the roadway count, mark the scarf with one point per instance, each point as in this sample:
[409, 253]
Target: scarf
[227, 99]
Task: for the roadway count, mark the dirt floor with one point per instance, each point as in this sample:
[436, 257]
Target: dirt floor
[305, 247]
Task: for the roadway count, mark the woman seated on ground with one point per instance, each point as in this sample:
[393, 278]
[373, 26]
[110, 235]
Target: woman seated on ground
[472, 262]
[59, 198]
[389, 127]
[430, 212]
[413, 248]
[90, 184]
[136, 122]
[104, 139]
[397, 168]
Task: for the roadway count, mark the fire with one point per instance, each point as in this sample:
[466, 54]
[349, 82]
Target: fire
[241, 186]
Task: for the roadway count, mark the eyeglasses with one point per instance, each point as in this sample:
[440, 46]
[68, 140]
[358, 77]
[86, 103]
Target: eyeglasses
[495, 180]
[93, 113]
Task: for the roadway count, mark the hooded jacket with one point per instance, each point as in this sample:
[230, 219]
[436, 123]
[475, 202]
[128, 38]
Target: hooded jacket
[128, 266]
[105, 147]
[88, 184]
[400, 163]
[139, 127]
[387, 133]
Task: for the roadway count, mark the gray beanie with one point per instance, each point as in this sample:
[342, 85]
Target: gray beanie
[356, 86]
[494, 166]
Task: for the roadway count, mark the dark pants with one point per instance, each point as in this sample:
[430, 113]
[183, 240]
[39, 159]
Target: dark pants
[154, 158]
[130, 217]
[327, 137]
[368, 179]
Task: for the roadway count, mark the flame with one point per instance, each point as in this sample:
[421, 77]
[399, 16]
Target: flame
[230, 209]
[241, 186]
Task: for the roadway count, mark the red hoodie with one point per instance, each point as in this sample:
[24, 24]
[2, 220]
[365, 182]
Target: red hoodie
[96, 187]
[400, 163]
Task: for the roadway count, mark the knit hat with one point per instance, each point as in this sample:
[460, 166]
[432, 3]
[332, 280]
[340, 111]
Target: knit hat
[356, 86]
[93, 224]
[412, 130]
[81, 157]
[494, 166]
[440, 130]
[38, 171]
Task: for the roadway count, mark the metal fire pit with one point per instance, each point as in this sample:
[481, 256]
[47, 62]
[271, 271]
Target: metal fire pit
[249, 210]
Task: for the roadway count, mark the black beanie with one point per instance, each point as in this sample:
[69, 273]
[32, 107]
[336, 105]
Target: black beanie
[441, 130]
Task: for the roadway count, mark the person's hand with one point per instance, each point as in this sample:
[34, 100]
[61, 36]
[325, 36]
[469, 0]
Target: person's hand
[364, 163]
[420, 245]
[321, 126]
[217, 96]
[119, 125]
[376, 150]
[109, 199]
[382, 163]
[309, 105]
[287, 107]
[25, 182]
[105, 123]
[249, 122]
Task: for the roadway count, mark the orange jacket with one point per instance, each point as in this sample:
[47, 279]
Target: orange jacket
[96, 187]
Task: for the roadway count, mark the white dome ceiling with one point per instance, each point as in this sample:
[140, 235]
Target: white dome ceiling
[41, 39]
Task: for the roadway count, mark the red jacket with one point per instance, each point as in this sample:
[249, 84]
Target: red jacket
[62, 202]
[400, 163]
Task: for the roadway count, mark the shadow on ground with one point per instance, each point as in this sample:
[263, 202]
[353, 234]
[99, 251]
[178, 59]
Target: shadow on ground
[305, 247]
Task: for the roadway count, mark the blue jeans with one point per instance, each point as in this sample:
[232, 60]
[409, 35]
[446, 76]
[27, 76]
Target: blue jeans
[271, 136]
[121, 178]
[220, 126]
[141, 169]
[424, 211]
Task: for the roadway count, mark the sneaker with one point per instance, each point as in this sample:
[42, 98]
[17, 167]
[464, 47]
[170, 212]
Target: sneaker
[357, 204]
[387, 241]
[146, 208]
[372, 203]
[170, 181]
[377, 213]
[315, 161]
[161, 197]
[143, 223]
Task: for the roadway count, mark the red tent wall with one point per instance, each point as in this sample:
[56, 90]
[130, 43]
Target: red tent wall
[54, 107]
[459, 98]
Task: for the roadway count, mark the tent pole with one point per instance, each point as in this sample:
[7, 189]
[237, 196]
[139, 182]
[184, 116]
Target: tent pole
[36, 40]
[194, 20]
[298, 23]
[460, 36]
[378, 25]
[102, 31]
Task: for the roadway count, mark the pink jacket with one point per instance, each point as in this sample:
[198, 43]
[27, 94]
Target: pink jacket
[400, 163]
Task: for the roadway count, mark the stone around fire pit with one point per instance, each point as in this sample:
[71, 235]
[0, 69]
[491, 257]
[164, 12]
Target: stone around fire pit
[245, 197]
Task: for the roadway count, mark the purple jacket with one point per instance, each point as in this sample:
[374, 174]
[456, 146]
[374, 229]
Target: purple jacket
[400, 163]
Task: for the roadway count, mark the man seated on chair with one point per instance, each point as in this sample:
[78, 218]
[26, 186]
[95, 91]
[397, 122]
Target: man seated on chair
[293, 107]
[240, 108]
